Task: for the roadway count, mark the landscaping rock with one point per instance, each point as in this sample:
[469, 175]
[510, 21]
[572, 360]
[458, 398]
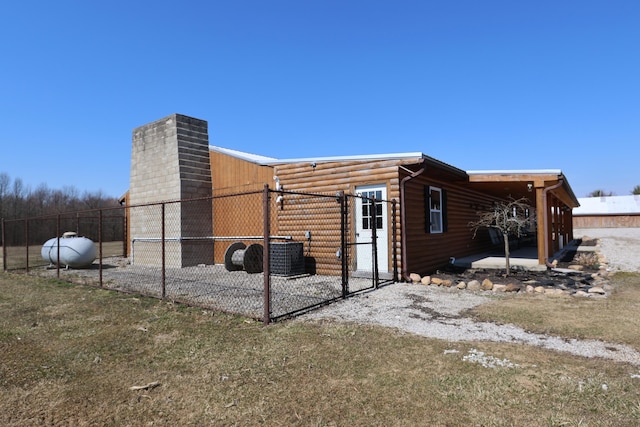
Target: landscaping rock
[415, 278]
[487, 285]
[597, 290]
[499, 288]
[461, 285]
[511, 287]
[426, 280]
[436, 281]
[473, 285]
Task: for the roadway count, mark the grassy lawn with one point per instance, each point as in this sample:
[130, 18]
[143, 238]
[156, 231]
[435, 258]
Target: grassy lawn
[70, 354]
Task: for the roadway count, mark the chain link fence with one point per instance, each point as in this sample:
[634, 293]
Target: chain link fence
[266, 255]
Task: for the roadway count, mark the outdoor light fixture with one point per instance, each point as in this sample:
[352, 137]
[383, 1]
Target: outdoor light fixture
[530, 187]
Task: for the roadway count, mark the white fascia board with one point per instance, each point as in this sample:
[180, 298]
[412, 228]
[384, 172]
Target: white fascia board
[516, 172]
[255, 158]
[391, 156]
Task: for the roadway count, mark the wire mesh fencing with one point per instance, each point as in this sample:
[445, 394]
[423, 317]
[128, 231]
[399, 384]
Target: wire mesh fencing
[265, 255]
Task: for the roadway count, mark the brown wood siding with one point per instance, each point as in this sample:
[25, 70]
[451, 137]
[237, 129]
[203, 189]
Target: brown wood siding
[323, 220]
[233, 175]
[236, 214]
[428, 252]
[606, 221]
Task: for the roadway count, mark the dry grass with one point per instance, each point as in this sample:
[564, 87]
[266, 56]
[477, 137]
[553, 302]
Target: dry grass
[17, 255]
[69, 355]
[616, 318]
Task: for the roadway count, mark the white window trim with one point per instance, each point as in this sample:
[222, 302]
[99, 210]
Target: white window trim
[439, 211]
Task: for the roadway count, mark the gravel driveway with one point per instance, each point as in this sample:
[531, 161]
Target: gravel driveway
[435, 312]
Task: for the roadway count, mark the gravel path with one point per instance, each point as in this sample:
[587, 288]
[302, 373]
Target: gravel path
[621, 246]
[435, 312]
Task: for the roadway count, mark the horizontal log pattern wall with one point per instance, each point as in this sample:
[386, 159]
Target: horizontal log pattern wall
[330, 178]
[431, 251]
[606, 221]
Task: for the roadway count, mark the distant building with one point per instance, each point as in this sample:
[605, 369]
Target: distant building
[607, 212]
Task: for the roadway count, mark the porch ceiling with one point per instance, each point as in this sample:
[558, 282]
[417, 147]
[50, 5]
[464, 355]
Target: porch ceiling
[522, 184]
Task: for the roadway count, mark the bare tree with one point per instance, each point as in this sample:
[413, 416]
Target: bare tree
[510, 218]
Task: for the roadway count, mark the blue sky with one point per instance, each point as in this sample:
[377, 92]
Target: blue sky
[477, 84]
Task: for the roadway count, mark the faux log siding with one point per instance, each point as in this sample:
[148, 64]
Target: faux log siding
[321, 217]
[330, 178]
[428, 252]
[606, 221]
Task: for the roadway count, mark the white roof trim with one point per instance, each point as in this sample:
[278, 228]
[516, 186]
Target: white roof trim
[390, 156]
[255, 158]
[264, 160]
[517, 172]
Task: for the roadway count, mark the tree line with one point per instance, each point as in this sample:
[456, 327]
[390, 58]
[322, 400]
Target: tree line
[603, 193]
[18, 200]
[43, 204]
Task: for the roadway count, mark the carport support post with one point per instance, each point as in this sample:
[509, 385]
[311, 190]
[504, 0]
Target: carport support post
[266, 214]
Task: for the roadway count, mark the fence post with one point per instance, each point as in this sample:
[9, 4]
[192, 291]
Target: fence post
[164, 290]
[374, 240]
[99, 244]
[125, 242]
[266, 210]
[4, 247]
[58, 246]
[26, 241]
[342, 198]
[394, 239]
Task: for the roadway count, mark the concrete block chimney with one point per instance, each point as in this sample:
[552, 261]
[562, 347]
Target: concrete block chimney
[170, 162]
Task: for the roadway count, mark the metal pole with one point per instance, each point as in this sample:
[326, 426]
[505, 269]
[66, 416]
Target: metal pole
[343, 243]
[58, 246]
[266, 210]
[100, 245]
[374, 239]
[4, 247]
[26, 241]
[164, 290]
[125, 243]
[394, 239]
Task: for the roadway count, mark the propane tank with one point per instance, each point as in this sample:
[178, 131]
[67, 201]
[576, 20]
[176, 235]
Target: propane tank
[75, 251]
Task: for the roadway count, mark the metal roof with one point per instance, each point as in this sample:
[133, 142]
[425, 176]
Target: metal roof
[612, 205]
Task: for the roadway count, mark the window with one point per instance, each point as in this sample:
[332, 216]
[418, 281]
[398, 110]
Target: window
[367, 209]
[435, 210]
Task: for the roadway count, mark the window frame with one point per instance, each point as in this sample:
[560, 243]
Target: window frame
[442, 212]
